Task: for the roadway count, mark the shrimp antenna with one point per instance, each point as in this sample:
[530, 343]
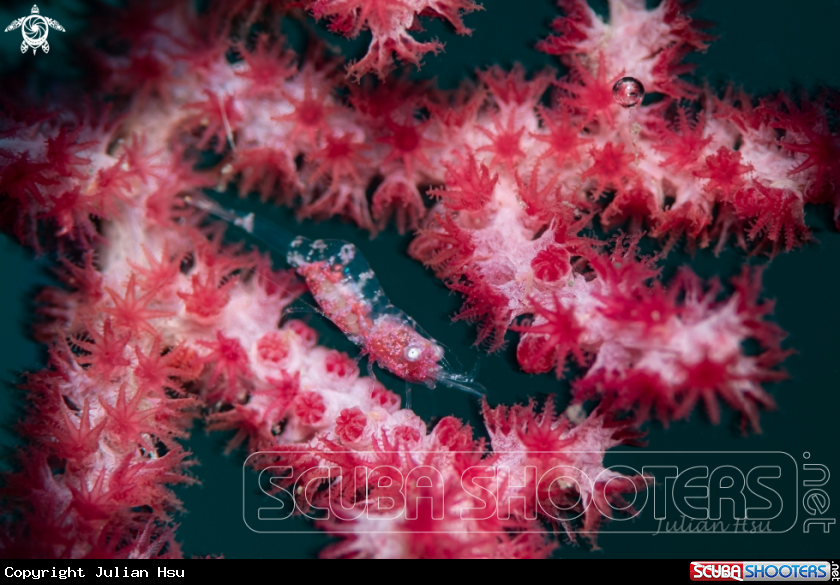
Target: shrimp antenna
[264, 230]
[473, 373]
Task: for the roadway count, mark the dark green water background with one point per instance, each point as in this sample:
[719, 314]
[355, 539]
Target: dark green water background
[765, 45]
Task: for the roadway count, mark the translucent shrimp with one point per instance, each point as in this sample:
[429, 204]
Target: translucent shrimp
[349, 294]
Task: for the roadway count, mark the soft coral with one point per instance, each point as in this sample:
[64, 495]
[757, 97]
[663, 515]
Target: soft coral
[389, 22]
[809, 133]
[133, 313]
[553, 335]
[229, 359]
[776, 216]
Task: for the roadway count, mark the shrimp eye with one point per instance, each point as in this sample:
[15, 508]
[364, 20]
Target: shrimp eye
[413, 353]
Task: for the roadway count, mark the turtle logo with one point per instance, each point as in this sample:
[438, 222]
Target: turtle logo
[35, 28]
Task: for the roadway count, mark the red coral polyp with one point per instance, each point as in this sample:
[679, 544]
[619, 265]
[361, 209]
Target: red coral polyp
[552, 264]
[389, 22]
[545, 343]
[350, 424]
[273, 347]
[309, 408]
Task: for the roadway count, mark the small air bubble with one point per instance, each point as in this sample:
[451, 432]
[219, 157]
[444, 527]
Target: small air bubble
[628, 92]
